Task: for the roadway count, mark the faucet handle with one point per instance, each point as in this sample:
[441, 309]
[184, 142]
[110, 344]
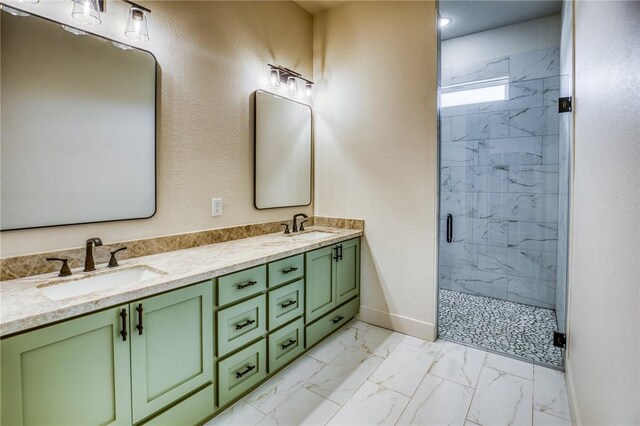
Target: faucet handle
[286, 228]
[302, 225]
[113, 262]
[65, 271]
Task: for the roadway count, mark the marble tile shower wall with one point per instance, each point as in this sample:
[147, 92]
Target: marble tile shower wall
[499, 180]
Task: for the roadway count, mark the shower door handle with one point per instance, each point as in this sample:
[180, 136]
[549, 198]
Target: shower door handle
[449, 228]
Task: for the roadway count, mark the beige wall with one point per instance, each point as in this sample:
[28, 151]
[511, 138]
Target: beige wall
[375, 138]
[603, 362]
[212, 56]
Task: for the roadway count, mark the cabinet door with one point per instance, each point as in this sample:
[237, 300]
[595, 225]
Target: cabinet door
[72, 373]
[171, 355]
[348, 270]
[320, 293]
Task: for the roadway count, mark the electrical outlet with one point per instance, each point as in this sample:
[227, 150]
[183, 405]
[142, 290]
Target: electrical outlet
[216, 207]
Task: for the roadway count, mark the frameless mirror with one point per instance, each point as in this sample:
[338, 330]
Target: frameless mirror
[282, 152]
[78, 127]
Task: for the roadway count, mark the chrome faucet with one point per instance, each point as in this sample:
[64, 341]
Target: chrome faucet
[89, 264]
[295, 222]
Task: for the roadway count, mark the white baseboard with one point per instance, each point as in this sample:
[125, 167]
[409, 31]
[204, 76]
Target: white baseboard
[571, 393]
[399, 323]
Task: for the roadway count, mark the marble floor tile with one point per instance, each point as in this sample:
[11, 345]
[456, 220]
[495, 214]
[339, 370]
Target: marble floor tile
[344, 375]
[302, 408]
[544, 419]
[329, 350]
[359, 325]
[508, 365]
[240, 414]
[277, 389]
[501, 399]
[431, 347]
[550, 392]
[404, 369]
[372, 404]
[458, 363]
[377, 341]
[437, 402]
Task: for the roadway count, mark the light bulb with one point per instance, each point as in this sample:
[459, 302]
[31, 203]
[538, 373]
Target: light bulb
[137, 25]
[292, 86]
[308, 90]
[273, 80]
[444, 22]
[86, 11]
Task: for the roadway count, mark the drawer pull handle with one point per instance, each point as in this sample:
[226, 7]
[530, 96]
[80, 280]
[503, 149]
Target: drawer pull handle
[337, 254]
[340, 252]
[291, 269]
[139, 326]
[248, 284]
[337, 319]
[123, 332]
[244, 324]
[289, 343]
[287, 304]
[245, 371]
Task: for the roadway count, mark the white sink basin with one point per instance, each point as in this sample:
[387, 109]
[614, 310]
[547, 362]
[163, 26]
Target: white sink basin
[57, 290]
[313, 235]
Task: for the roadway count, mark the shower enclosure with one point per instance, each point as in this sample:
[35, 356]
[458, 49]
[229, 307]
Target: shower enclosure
[504, 167]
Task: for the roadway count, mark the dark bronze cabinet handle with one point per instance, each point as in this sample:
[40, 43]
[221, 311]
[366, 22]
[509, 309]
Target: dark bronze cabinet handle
[291, 269]
[248, 284]
[287, 304]
[449, 228]
[123, 331]
[244, 324]
[289, 343]
[336, 256]
[139, 326]
[338, 319]
[245, 371]
[340, 252]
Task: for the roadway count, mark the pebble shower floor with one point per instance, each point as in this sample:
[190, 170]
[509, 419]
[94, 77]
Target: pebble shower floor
[508, 327]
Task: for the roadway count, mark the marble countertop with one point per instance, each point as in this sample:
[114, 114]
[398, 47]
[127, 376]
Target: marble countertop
[23, 305]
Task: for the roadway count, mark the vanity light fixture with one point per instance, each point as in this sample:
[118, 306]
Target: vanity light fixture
[292, 86]
[444, 21]
[137, 23]
[73, 31]
[12, 11]
[279, 74]
[86, 12]
[29, 1]
[273, 80]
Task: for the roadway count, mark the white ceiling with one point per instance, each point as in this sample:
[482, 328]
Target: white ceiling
[315, 6]
[472, 16]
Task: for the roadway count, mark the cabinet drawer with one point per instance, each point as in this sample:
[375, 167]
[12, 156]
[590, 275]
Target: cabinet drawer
[240, 285]
[239, 324]
[286, 270]
[191, 411]
[331, 322]
[286, 344]
[286, 303]
[241, 371]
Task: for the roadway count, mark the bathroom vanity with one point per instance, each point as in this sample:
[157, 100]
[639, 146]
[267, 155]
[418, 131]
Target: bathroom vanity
[209, 326]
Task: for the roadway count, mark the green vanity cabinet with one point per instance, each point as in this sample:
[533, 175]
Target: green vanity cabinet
[110, 367]
[333, 277]
[171, 347]
[73, 373]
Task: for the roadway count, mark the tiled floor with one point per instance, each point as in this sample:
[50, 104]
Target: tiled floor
[366, 375]
[513, 328]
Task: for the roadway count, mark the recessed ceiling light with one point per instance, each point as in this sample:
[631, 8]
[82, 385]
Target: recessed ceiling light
[444, 22]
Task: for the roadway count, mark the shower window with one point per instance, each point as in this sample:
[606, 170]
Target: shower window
[491, 90]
